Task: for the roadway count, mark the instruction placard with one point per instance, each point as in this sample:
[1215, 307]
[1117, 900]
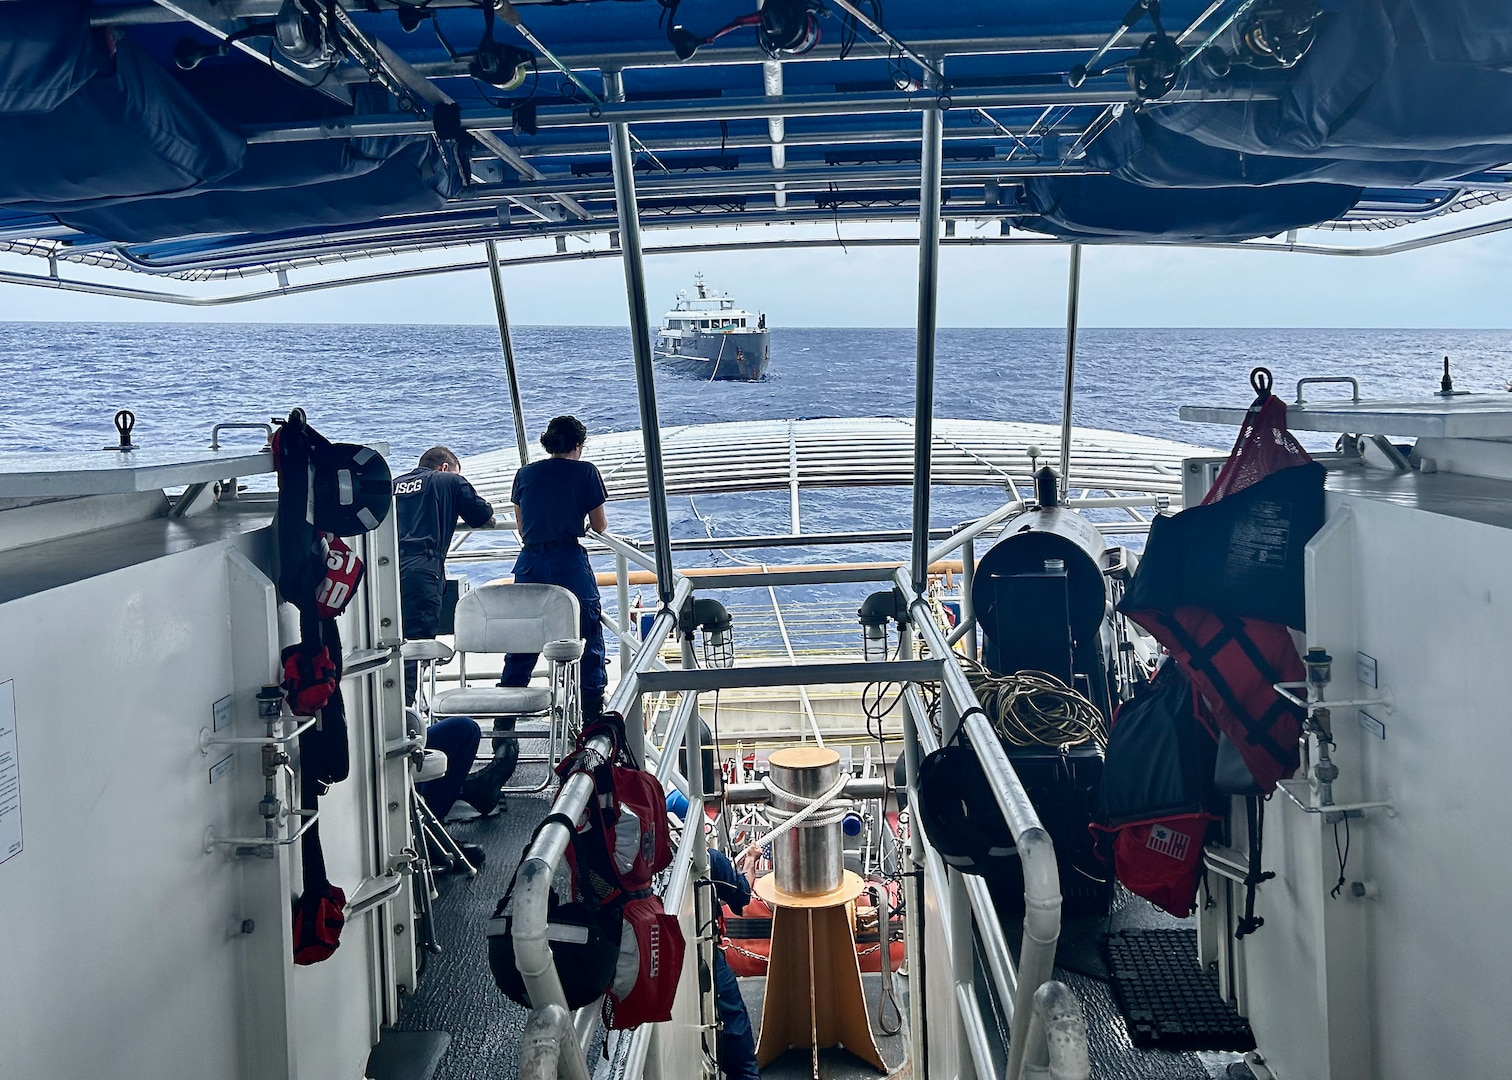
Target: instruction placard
[10, 774]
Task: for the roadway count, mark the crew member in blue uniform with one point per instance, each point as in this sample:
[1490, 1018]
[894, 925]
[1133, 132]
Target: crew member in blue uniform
[428, 501]
[737, 1043]
[553, 499]
[732, 888]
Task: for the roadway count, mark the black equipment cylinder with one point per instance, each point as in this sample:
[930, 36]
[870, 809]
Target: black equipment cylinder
[1032, 539]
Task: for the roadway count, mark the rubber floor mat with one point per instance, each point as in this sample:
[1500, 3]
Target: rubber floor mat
[1167, 1000]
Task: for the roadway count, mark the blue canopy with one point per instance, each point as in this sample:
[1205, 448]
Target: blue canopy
[375, 125]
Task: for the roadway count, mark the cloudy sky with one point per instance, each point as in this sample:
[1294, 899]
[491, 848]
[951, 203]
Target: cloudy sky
[1464, 284]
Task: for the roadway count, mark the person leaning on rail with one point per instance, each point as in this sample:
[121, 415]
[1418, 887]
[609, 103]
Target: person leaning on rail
[553, 500]
[428, 502]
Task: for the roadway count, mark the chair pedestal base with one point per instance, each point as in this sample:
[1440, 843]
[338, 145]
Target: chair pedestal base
[814, 998]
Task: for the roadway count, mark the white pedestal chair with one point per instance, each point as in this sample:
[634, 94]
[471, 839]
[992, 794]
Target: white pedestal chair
[520, 618]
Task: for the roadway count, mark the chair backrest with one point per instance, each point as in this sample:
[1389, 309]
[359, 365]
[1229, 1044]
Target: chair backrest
[518, 618]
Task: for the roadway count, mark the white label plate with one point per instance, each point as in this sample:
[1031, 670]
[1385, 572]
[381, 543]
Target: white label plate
[10, 775]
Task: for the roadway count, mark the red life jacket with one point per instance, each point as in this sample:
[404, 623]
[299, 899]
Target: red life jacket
[1234, 664]
[649, 969]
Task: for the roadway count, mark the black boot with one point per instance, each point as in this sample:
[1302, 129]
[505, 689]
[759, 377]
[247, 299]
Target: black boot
[481, 788]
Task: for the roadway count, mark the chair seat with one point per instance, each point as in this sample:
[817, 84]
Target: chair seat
[425, 649]
[492, 701]
[432, 766]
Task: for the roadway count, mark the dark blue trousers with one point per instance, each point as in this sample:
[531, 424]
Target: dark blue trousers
[457, 737]
[569, 568]
[737, 1043]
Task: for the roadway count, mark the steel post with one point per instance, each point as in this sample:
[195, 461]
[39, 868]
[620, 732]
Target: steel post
[640, 336]
[515, 404]
[929, 283]
[913, 888]
[622, 600]
[968, 609]
[1073, 300]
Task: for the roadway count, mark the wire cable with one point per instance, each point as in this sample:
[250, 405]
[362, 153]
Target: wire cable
[1034, 708]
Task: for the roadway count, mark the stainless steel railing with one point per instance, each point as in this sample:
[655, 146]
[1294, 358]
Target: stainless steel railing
[967, 910]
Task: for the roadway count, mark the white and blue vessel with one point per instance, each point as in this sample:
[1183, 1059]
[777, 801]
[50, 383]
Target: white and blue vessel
[708, 337]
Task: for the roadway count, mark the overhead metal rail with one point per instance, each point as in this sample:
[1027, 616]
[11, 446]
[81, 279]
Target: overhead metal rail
[759, 107]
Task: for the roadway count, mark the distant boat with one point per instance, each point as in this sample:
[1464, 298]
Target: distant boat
[708, 337]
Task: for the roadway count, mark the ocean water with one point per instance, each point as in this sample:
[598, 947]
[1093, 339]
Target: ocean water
[416, 386]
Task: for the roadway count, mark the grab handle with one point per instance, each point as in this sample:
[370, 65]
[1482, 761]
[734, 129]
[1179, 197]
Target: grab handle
[266, 429]
[1350, 379]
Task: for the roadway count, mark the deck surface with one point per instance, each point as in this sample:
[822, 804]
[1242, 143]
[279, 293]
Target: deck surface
[457, 993]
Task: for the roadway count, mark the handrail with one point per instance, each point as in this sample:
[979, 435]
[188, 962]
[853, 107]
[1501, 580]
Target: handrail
[266, 429]
[1314, 380]
[953, 542]
[1042, 897]
[540, 862]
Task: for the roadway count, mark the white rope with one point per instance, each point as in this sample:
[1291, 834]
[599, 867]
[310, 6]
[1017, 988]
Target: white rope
[798, 817]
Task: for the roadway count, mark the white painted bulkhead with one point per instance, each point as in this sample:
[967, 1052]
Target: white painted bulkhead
[1411, 980]
[128, 951]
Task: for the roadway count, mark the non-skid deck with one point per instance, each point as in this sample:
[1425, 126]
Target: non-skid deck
[457, 992]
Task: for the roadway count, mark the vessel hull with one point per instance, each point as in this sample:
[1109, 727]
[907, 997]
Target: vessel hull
[739, 357]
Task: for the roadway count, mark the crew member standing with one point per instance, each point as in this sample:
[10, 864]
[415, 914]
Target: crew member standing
[553, 499]
[428, 501]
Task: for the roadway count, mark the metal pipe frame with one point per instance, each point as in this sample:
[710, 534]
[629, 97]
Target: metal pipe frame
[845, 673]
[1042, 898]
[515, 404]
[616, 110]
[737, 181]
[540, 861]
[1073, 303]
[928, 311]
[640, 334]
[45, 281]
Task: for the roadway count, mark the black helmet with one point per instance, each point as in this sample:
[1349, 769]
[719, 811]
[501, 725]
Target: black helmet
[352, 489]
[585, 941]
[958, 812]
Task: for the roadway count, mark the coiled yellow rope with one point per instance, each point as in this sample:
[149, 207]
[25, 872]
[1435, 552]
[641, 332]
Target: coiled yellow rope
[1034, 708]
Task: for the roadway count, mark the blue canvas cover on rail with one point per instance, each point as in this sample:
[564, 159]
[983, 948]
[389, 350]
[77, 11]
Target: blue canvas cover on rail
[1103, 208]
[348, 182]
[87, 115]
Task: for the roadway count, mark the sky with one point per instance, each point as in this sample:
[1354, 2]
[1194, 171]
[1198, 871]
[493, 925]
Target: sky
[1458, 285]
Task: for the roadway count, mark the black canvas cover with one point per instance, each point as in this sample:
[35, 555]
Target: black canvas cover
[1385, 80]
[1160, 755]
[1241, 556]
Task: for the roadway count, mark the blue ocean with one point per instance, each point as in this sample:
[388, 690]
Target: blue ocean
[416, 386]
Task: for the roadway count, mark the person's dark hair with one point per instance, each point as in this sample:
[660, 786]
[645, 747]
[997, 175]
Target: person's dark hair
[438, 456]
[564, 435]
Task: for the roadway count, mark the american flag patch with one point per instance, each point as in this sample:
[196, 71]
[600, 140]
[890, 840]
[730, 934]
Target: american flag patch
[1169, 842]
